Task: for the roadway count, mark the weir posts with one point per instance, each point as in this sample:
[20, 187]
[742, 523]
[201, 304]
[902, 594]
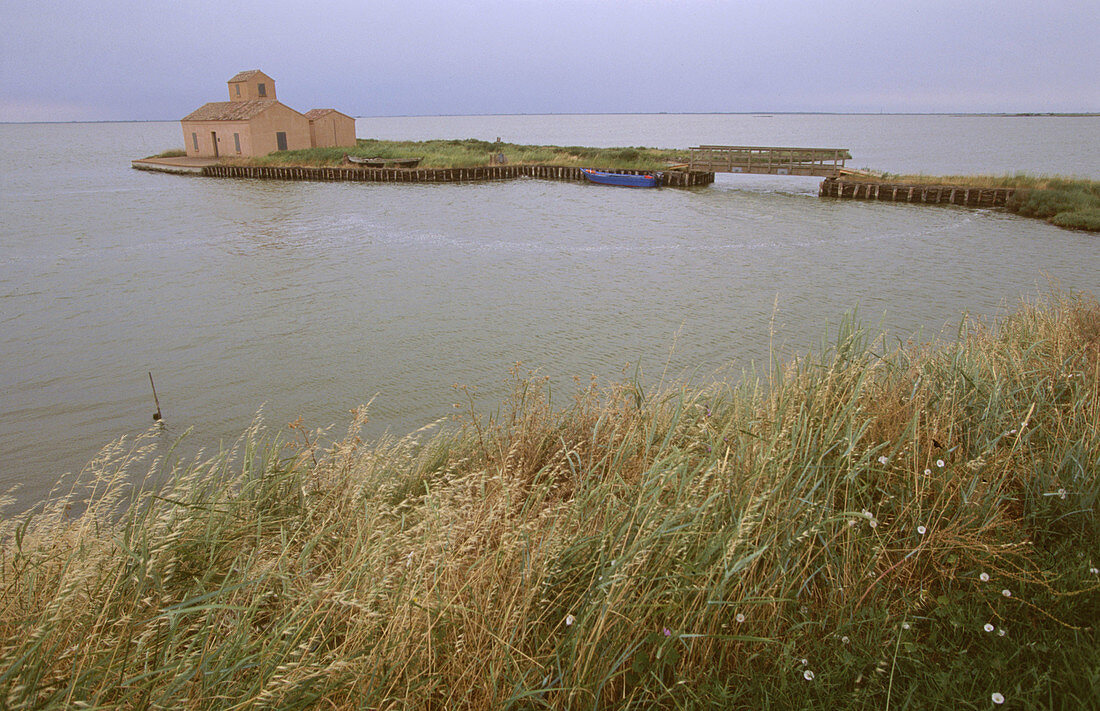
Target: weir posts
[923, 194]
[672, 178]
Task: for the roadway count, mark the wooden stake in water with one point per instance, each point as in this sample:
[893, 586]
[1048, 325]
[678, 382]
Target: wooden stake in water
[156, 415]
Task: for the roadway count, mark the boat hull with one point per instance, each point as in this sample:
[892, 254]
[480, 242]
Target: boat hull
[624, 180]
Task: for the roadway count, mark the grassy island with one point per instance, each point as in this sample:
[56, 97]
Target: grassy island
[471, 153]
[862, 528]
[1072, 203]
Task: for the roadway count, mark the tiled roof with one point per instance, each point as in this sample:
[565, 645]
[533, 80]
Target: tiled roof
[230, 110]
[318, 113]
[245, 75]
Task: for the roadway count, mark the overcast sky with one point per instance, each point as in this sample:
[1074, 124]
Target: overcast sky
[148, 59]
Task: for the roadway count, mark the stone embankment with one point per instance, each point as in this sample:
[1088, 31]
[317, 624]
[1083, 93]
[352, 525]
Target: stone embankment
[672, 178]
[924, 194]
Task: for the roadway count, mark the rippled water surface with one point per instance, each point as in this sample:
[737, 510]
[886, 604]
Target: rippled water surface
[310, 298]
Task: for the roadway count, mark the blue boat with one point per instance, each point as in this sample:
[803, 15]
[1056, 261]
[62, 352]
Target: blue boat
[624, 179]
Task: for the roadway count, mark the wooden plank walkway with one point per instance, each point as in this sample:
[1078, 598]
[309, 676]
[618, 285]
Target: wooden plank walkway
[769, 160]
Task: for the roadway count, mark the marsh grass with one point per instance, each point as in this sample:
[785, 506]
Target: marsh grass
[834, 536]
[472, 152]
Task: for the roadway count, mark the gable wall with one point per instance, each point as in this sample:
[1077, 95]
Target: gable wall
[279, 118]
[250, 88]
[332, 129]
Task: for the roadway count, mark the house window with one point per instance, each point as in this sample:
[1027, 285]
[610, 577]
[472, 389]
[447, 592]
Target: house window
[195, 139]
[280, 138]
[237, 141]
[261, 89]
[238, 89]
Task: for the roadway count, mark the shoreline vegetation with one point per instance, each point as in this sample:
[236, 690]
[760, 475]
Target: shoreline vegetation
[471, 153]
[863, 527]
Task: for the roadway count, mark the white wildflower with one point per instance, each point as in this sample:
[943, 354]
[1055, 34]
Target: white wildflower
[997, 698]
[939, 463]
[988, 627]
[984, 577]
[569, 620]
[1006, 592]
[740, 617]
[844, 639]
[883, 459]
[808, 675]
[921, 530]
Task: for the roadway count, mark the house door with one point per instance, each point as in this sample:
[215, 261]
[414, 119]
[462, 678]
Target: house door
[214, 141]
[280, 139]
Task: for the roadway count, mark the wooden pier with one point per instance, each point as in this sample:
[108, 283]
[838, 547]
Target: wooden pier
[769, 160]
[672, 178]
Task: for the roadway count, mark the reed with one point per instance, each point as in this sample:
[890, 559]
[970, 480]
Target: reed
[837, 535]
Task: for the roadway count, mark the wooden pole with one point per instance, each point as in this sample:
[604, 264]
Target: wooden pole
[156, 415]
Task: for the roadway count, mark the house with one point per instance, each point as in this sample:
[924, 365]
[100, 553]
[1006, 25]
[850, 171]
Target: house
[254, 123]
[329, 127]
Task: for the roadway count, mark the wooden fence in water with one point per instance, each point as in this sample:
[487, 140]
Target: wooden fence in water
[925, 194]
[672, 178]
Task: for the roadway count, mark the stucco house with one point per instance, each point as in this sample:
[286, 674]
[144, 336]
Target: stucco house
[254, 122]
[329, 127]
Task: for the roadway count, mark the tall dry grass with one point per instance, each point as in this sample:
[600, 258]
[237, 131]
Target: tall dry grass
[836, 536]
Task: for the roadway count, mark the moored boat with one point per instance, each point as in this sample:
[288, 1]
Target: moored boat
[649, 180]
[383, 162]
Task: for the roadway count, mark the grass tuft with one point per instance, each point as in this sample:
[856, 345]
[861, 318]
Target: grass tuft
[838, 538]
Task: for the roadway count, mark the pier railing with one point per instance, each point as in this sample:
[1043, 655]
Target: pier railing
[769, 160]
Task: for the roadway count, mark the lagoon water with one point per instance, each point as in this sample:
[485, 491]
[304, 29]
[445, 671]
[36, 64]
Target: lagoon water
[308, 299]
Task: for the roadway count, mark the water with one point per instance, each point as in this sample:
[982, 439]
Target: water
[308, 299]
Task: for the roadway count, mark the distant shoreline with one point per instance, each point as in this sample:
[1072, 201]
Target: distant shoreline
[1086, 114]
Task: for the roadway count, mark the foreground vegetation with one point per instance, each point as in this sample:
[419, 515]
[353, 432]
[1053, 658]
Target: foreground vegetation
[863, 528]
[471, 153]
[1067, 202]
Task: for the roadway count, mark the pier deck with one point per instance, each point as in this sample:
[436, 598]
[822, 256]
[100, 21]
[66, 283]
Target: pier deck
[769, 160]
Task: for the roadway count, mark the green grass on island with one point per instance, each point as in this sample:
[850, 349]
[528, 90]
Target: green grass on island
[472, 152]
[864, 527]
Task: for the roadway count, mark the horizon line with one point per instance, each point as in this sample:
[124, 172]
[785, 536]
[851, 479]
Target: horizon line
[1008, 114]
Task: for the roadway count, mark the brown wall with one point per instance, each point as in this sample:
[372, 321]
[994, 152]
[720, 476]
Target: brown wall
[257, 135]
[250, 89]
[279, 118]
[332, 129]
[224, 131]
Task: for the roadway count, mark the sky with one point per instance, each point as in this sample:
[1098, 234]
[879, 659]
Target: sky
[75, 60]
